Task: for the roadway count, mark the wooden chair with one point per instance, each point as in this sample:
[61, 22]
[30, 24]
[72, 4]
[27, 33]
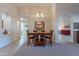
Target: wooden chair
[39, 41]
[30, 39]
[49, 37]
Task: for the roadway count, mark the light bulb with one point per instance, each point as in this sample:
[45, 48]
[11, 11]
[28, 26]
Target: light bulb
[21, 19]
[42, 15]
[37, 15]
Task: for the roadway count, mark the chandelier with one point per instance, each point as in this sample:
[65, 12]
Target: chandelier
[39, 14]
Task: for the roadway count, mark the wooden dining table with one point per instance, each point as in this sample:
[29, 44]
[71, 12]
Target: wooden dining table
[39, 34]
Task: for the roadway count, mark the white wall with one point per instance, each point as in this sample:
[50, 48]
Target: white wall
[65, 9]
[11, 10]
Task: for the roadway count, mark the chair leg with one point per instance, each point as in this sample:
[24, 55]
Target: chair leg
[28, 43]
[34, 42]
[50, 41]
[44, 42]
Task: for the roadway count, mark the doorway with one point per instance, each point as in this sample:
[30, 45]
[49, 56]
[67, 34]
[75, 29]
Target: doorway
[63, 29]
[23, 26]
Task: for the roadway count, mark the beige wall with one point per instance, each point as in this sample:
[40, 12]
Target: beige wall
[29, 11]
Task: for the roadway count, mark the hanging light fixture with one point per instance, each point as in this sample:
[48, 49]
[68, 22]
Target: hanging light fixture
[39, 14]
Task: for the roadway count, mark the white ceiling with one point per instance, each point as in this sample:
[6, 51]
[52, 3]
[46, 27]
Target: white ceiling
[33, 4]
[27, 4]
[67, 8]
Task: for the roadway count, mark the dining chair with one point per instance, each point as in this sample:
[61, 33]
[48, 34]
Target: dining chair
[39, 41]
[30, 39]
[49, 38]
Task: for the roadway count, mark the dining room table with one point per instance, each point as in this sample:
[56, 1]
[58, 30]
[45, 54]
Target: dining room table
[38, 36]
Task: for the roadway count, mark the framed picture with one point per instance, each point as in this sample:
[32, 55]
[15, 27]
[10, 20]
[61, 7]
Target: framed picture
[39, 24]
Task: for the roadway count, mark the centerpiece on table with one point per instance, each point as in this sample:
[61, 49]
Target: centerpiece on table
[38, 30]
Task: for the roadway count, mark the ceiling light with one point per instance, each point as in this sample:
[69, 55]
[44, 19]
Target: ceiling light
[39, 14]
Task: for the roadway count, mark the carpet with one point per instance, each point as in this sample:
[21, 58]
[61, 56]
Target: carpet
[59, 49]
